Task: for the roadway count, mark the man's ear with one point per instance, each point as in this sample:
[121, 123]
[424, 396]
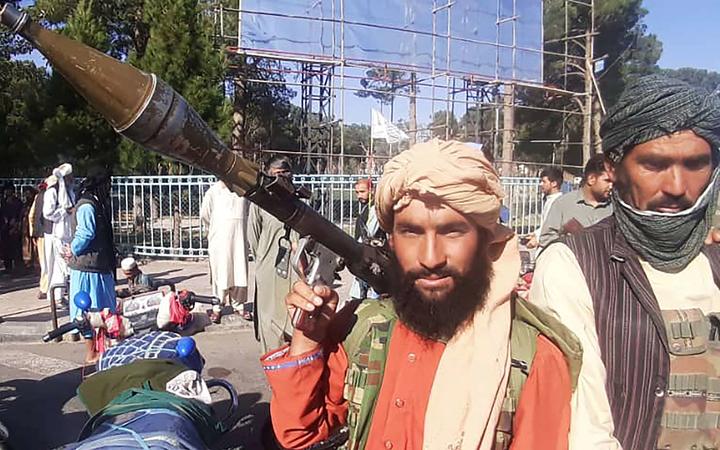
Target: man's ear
[591, 179]
[391, 243]
[610, 169]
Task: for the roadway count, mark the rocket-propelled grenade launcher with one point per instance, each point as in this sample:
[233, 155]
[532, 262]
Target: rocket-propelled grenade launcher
[143, 108]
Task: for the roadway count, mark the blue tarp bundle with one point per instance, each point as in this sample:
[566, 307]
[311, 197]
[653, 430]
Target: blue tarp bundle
[154, 345]
[149, 429]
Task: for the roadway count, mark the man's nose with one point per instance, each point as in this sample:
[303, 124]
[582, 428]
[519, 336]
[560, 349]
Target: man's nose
[674, 183]
[431, 255]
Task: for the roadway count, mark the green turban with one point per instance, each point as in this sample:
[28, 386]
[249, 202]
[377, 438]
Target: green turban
[655, 106]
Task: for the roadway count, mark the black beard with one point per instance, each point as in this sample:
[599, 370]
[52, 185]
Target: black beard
[441, 319]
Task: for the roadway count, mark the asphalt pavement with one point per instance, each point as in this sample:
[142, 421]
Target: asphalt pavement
[38, 382]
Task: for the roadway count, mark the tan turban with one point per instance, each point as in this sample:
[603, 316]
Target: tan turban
[457, 174]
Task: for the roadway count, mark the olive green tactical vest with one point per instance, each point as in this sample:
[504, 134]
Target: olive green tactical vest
[367, 347]
[691, 416]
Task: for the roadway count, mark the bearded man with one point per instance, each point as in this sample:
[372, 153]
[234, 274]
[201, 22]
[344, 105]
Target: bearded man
[433, 367]
[640, 289]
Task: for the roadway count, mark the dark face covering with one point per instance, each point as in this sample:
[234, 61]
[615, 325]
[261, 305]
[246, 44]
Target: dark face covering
[441, 319]
[652, 107]
[97, 186]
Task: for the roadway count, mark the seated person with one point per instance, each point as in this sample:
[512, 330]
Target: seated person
[137, 281]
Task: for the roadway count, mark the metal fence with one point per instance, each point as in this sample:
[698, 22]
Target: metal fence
[160, 215]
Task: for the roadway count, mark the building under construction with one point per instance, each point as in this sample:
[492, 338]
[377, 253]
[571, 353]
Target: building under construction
[467, 69]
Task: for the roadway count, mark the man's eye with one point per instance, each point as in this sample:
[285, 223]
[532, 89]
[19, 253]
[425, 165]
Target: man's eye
[653, 166]
[697, 165]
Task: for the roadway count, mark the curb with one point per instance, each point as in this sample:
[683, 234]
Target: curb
[23, 331]
[32, 332]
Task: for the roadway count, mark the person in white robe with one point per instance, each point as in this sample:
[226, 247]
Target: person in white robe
[58, 202]
[224, 213]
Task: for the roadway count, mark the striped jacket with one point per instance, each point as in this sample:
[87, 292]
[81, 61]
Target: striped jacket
[630, 329]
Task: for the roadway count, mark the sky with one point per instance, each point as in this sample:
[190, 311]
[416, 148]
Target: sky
[689, 31]
[690, 35]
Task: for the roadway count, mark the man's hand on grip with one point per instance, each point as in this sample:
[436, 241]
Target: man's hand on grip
[321, 302]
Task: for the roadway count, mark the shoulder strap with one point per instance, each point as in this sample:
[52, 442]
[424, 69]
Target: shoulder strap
[530, 315]
[712, 252]
[530, 321]
[366, 346]
[368, 313]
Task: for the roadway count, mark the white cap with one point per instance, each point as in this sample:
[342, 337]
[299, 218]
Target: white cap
[128, 264]
[51, 181]
[63, 170]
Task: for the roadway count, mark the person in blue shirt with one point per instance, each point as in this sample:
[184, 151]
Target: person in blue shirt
[91, 254]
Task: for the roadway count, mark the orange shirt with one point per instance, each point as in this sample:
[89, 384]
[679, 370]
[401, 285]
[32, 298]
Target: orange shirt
[399, 417]
[308, 403]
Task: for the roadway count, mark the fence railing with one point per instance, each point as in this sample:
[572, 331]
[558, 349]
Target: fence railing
[160, 215]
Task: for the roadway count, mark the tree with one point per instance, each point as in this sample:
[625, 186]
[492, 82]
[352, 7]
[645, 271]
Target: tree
[357, 139]
[21, 105]
[264, 116]
[121, 19]
[475, 123]
[71, 130]
[357, 145]
[384, 84]
[171, 38]
[179, 50]
[443, 121]
[706, 79]
[621, 38]
[21, 101]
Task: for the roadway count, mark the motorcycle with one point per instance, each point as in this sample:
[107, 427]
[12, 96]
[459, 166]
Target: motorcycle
[169, 310]
[104, 327]
[147, 393]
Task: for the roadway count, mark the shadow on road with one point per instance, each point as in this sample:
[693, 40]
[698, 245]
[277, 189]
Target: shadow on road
[251, 418]
[32, 410]
[12, 283]
[163, 273]
[181, 279]
[37, 316]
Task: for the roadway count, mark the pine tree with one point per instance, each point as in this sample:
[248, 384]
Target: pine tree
[72, 130]
[179, 50]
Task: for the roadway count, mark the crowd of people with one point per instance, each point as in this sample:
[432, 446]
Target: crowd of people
[34, 230]
[614, 346]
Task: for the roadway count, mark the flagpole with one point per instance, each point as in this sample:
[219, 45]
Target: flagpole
[371, 161]
[370, 158]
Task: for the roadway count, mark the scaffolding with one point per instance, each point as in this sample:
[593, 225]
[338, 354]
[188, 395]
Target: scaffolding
[316, 100]
[466, 80]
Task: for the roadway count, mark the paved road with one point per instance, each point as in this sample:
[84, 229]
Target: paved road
[38, 381]
[38, 384]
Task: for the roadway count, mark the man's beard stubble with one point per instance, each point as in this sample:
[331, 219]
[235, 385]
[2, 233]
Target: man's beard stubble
[441, 319]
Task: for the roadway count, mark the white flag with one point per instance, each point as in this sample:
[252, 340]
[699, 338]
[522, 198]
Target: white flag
[382, 129]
